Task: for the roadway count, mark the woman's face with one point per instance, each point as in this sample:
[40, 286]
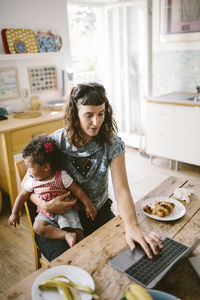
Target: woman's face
[91, 118]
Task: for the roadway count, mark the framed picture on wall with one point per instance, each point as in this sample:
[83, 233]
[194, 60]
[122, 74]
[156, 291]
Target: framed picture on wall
[179, 20]
[9, 85]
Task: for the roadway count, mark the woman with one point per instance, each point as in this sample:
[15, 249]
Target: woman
[91, 146]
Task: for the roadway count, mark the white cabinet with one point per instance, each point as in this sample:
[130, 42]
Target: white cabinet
[173, 132]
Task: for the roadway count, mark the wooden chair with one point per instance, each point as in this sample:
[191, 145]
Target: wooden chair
[30, 208]
[1, 201]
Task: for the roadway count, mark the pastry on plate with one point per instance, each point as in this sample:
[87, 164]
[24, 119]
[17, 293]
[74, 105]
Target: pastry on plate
[162, 209]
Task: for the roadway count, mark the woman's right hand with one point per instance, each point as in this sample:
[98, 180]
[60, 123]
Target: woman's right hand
[58, 205]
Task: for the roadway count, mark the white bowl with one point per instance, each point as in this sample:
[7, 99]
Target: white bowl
[54, 104]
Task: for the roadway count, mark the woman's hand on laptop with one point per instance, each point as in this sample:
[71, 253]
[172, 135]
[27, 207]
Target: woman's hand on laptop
[149, 241]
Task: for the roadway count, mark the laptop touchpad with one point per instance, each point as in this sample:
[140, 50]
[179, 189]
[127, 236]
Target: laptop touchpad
[125, 259]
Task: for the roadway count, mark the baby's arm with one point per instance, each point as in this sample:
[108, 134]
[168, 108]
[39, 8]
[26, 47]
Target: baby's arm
[81, 195]
[14, 218]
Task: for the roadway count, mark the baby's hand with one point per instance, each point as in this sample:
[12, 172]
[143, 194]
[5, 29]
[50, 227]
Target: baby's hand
[91, 211]
[14, 220]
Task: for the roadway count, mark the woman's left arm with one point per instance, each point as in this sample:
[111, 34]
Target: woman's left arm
[126, 210]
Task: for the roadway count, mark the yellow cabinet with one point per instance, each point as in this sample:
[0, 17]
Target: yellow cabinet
[22, 136]
[14, 135]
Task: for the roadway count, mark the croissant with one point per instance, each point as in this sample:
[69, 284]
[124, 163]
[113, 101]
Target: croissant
[162, 209]
[149, 210]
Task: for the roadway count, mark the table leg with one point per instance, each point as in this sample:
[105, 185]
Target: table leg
[170, 164]
[176, 165]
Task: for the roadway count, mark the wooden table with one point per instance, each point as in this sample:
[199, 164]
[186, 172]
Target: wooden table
[14, 135]
[94, 252]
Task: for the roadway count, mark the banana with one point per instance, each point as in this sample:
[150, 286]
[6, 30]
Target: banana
[75, 294]
[139, 292]
[66, 294]
[129, 296]
[82, 288]
[68, 289]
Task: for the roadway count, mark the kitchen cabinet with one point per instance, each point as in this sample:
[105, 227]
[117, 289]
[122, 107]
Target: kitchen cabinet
[173, 131]
[14, 135]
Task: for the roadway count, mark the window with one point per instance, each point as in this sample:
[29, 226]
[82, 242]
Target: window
[85, 43]
[128, 65]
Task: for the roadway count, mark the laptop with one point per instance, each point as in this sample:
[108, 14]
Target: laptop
[148, 272]
[195, 262]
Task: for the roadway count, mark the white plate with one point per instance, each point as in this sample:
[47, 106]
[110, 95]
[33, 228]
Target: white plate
[54, 104]
[178, 211]
[75, 274]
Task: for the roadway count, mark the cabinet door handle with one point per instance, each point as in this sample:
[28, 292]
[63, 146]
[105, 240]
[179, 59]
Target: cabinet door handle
[35, 136]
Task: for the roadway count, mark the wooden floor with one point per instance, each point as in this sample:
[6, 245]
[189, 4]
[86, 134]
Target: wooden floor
[16, 252]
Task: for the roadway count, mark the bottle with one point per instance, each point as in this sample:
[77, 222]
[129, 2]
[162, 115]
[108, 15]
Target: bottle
[198, 93]
[25, 99]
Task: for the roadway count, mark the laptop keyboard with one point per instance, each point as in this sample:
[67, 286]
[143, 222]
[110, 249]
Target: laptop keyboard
[145, 270]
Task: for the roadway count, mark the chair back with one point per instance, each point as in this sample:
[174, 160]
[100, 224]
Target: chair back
[31, 213]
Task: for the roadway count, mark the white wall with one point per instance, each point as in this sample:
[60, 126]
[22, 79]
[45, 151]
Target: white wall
[185, 41]
[175, 58]
[38, 15]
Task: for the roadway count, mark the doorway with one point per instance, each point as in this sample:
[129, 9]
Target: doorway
[110, 45]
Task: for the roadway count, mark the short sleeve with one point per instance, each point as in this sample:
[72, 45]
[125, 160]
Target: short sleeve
[116, 148]
[60, 137]
[28, 185]
[66, 179]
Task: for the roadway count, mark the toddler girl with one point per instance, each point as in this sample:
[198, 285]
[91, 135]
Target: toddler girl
[44, 160]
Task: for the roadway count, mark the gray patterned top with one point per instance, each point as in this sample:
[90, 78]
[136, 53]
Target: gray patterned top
[88, 165]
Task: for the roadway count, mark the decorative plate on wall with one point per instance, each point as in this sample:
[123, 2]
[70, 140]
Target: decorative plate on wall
[46, 42]
[5, 43]
[21, 40]
[52, 44]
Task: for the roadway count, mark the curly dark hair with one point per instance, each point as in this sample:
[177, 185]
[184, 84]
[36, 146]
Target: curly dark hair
[88, 94]
[45, 149]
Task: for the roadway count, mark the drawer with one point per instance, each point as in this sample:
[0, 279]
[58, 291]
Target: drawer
[21, 137]
[161, 123]
[161, 118]
[161, 145]
[161, 109]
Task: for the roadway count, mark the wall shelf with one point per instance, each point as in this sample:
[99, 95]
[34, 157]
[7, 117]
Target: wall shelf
[21, 56]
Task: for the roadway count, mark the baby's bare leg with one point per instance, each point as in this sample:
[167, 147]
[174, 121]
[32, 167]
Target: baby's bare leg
[49, 231]
[76, 232]
[70, 238]
[80, 234]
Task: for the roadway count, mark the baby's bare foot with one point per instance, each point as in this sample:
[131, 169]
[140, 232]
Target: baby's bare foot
[70, 238]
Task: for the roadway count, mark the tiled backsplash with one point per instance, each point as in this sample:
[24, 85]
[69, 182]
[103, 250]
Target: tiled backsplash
[175, 71]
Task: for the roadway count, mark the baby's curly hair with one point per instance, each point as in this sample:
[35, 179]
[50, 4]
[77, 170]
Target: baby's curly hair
[45, 149]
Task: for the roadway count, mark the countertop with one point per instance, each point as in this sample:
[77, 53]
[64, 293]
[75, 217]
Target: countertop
[176, 98]
[46, 116]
